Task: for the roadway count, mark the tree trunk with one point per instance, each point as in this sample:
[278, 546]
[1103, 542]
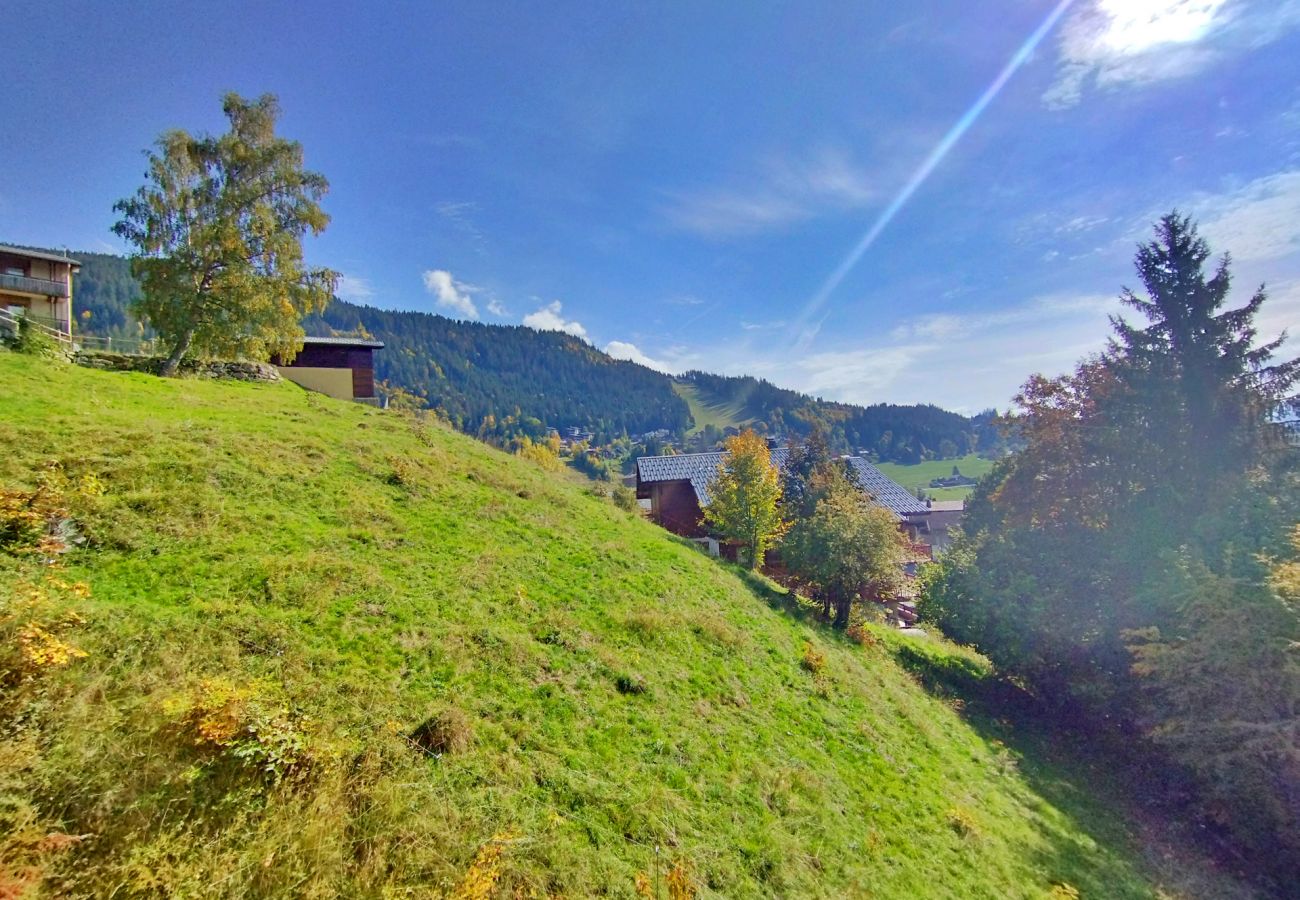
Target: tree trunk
[173, 362]
[842, 607]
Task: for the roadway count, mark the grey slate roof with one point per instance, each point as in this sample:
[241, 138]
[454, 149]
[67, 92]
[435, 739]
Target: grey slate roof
[884, 490]
[341, 342]
[697, 468]
[701, 468]
[37, 254]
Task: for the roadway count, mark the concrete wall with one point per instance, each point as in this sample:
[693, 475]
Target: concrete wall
[333, 382]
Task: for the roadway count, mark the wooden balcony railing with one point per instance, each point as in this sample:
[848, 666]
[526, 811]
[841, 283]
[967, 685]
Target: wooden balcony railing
[43, 286]
[11, 324]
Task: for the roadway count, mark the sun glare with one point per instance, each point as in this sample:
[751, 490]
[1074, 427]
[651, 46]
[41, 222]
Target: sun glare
[1136, 25]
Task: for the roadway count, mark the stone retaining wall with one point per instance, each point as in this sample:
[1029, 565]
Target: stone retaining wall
[239, 370]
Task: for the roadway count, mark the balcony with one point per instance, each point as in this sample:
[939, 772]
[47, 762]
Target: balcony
[24, 285]
[11, 325]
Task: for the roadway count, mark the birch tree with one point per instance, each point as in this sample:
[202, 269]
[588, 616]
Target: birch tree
[217, 230]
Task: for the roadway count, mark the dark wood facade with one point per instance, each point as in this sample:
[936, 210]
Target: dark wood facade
[673, 505]
[675, 485]
[356, 355]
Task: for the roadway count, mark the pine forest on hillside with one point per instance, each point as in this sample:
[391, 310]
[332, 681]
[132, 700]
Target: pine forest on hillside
[538, 380]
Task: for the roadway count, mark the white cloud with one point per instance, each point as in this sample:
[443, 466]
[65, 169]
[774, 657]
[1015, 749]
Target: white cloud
[353, 289]
[455, 209]
[780, 194]
[726, 213]
[970, 361]
[951, 326]
[1111, 44]
[1081, 224]
[629, 351]
[1259, 221]
[459, 214]
[549, 318]
[1281, 312]
[960, 361]
[450, 293]
[853, 374]
[495, 308]
[966, 361]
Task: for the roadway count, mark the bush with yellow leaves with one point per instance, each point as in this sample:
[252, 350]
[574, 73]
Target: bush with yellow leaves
[39, 521]
[246, 724]
[678, 882]
[813, 660]
[485, 871]
[34, 621]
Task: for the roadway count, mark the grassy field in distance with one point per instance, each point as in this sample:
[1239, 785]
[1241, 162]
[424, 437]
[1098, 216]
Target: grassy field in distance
[920, 474]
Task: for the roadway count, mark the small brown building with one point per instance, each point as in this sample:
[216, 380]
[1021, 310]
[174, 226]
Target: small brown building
[341, 367]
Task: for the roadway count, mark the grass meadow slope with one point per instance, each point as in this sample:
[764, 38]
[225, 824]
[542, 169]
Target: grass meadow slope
[306, 648]
[707, 410]
[918, 476]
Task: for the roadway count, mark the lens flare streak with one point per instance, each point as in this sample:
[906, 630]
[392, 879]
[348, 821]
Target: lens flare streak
[928, 166]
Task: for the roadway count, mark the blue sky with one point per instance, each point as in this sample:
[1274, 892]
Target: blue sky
[677, 182]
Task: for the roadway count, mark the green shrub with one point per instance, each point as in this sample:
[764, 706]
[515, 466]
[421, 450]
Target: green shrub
[624, 498]
[34, 340]
[630, 683]
[813, 661]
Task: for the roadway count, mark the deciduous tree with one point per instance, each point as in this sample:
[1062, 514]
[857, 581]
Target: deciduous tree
[809, 470]
[218, 229]
[848, 548]
[743, 497]
[1117, 562]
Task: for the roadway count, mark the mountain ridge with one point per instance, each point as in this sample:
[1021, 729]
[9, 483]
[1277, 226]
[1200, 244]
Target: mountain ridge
[481, 375]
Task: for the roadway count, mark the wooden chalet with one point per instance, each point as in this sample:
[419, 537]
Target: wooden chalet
[678, 490]
[342, 367]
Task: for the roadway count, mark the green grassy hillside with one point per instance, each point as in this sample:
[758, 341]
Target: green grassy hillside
[305, 648]
[919, 475]
[706, 411]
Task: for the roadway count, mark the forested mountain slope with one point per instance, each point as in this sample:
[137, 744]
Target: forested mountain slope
[472, 371]
[294, 646]
[904, 434]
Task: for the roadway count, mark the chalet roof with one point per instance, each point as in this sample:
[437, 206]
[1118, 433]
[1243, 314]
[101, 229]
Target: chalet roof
[884, 490]
[37, 254]
[341, 342]
[701, 468]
